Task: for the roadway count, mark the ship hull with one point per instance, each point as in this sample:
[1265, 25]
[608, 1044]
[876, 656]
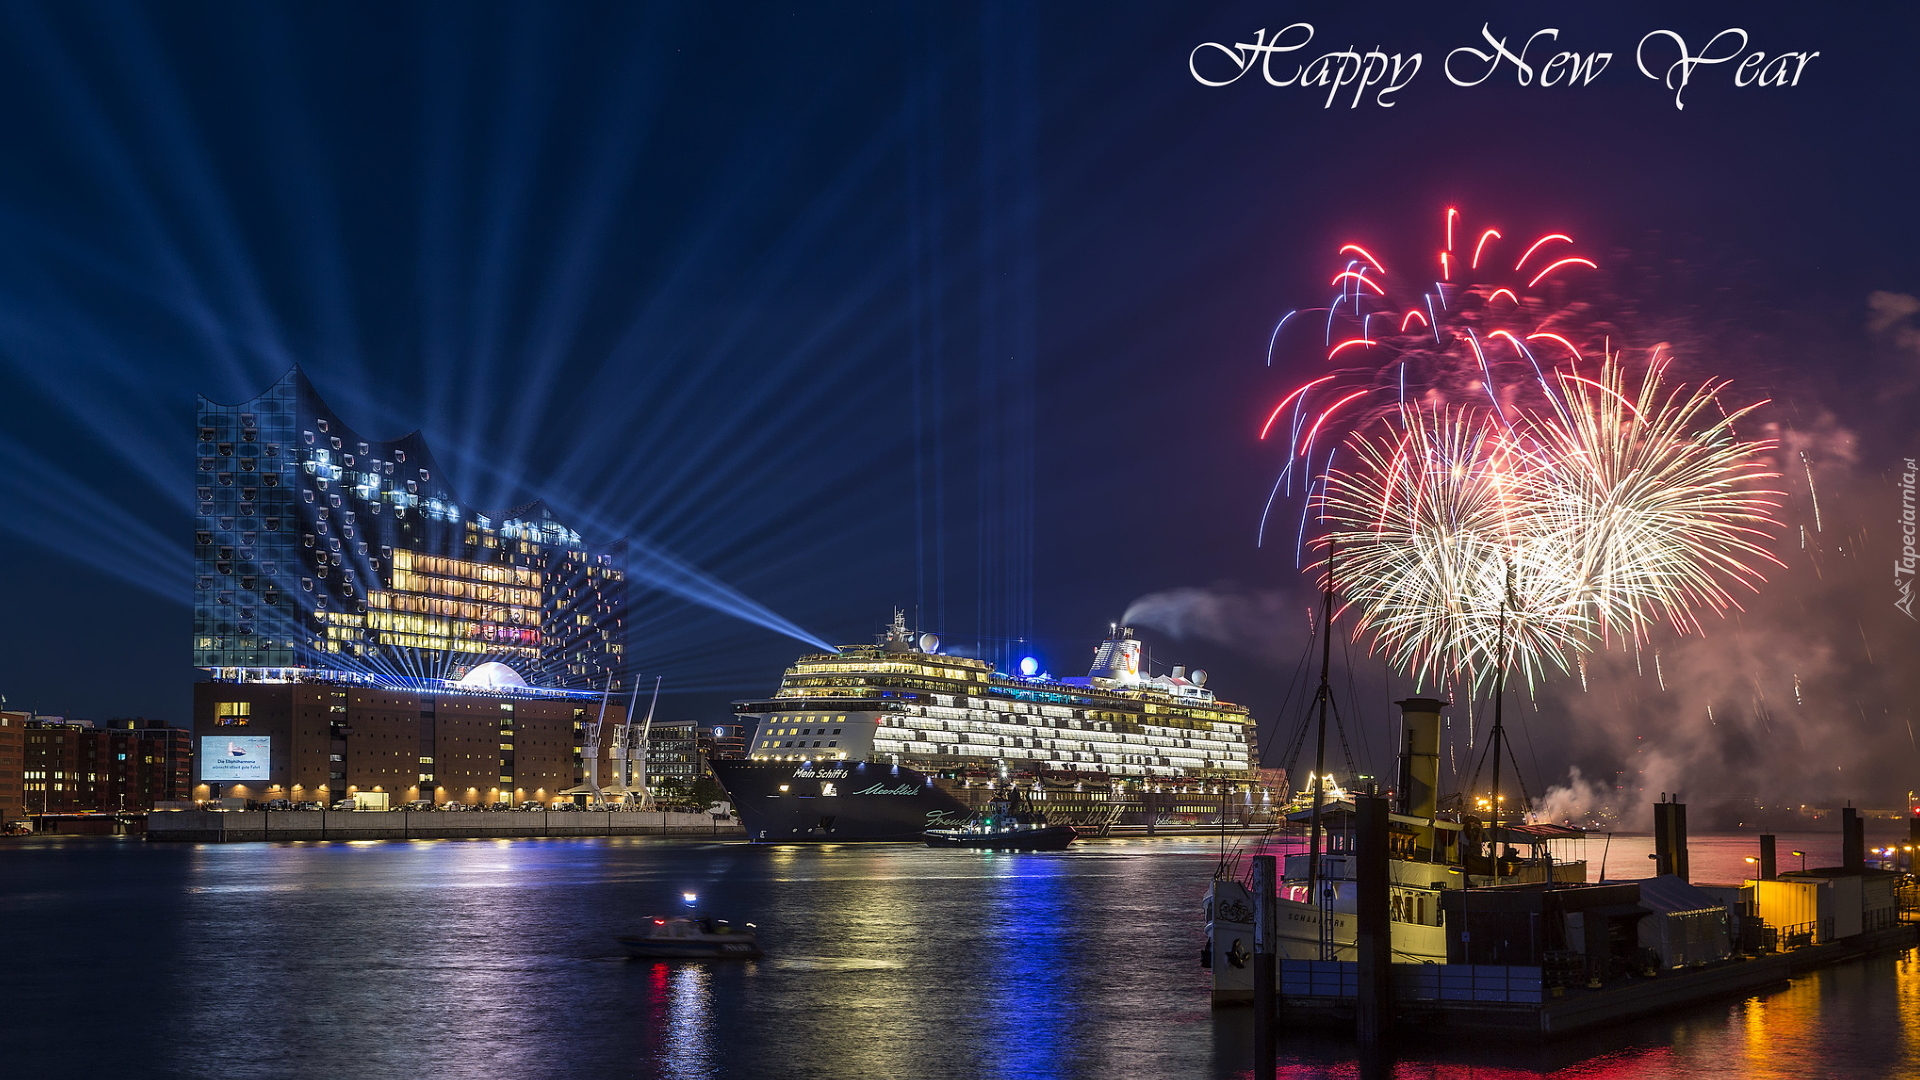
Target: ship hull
[836, 802]
[640, 948]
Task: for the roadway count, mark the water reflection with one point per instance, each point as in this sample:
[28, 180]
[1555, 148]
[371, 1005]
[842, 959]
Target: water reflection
[1851, 1021]
[679, 1021]
[1029, 931]
[496, 958]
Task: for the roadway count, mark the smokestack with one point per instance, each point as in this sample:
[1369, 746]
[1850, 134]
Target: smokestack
[1853, 841]
[1118, 658]
[1768, 869]
[1670, 839]
[1420, 756]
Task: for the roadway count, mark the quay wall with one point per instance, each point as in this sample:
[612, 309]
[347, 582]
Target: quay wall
[252, 825]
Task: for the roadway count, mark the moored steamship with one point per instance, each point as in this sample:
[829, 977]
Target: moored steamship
[880, 742]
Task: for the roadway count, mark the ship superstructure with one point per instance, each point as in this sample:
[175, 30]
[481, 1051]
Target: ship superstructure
[883, 741]
[903, 702]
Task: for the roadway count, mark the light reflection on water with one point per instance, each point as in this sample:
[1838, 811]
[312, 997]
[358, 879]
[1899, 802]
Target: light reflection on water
[495, 959]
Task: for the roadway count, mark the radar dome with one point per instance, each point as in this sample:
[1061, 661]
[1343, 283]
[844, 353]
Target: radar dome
[929, 643]
[1029, 666]
[492, 675]
[1199, 677]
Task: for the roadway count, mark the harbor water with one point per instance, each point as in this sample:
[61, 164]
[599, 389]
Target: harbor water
[495, 959]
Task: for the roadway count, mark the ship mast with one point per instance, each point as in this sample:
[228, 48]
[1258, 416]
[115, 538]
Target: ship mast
[1322, 698]
[1499, 729]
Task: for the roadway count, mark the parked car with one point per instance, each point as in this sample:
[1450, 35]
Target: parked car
[279, 804]
[533, 804]
[309, 805]
[346, 804]
[500, 806]
[419, 804]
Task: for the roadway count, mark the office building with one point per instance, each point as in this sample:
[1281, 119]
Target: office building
[723, 740]
[126, 766]
[13, 751]
[673, 753]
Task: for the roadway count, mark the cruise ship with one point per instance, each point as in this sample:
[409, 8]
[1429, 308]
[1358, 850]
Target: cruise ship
[882, 741]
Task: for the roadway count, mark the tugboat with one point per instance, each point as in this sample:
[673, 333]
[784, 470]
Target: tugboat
[693, 937]
[1006, 827]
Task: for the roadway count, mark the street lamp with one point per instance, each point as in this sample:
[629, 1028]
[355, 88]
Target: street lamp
[1803, 859]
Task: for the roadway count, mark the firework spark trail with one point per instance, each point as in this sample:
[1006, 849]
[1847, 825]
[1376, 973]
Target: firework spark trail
[1620, 509]
[1655, 500]
[1581, 510]
[1437, 345]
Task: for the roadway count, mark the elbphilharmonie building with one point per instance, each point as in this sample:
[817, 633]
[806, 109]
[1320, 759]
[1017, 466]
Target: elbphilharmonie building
[321, 554]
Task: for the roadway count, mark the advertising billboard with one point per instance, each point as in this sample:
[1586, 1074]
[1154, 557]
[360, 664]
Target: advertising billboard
[225, 758]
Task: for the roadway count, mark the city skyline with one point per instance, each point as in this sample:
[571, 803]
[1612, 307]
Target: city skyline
[949, 329]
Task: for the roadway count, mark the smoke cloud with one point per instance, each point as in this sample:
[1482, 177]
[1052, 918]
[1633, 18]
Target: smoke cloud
[1804, 697]
[1579, 801]
[1257, 624]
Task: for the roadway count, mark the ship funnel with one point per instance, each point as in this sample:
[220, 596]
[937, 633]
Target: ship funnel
[1118, 658]
[1420, 756]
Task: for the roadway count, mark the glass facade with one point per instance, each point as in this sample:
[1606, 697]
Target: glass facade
[320, 554]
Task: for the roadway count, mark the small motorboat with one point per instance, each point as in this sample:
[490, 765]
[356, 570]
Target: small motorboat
[693, 937]
[1005, 827]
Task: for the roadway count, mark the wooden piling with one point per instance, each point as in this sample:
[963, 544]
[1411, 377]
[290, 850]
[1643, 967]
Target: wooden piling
[1265, 978]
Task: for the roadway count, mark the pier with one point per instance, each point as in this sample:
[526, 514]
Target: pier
[236, 826]
[1522, 1000]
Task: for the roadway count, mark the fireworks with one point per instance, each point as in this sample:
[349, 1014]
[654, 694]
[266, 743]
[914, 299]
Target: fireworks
[1496, 498]
[1470, 337]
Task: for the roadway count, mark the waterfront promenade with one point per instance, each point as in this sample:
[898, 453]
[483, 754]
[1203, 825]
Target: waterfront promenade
[228, 826]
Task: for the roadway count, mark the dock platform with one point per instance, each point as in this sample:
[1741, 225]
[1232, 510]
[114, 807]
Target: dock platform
[1516, 1000]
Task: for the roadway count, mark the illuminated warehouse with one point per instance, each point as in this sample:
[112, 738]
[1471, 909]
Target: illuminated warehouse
[362, 630]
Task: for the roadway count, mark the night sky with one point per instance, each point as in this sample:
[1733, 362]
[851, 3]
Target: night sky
[960, 308]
